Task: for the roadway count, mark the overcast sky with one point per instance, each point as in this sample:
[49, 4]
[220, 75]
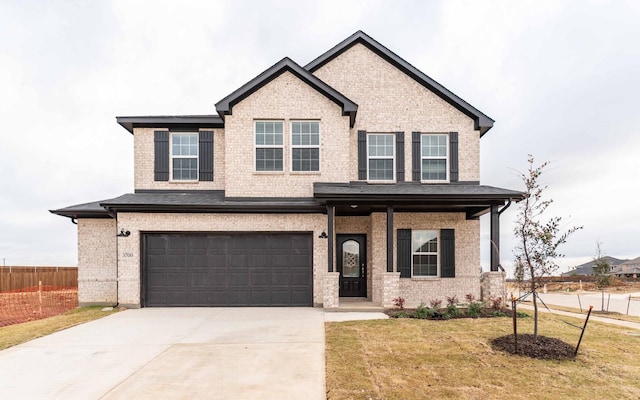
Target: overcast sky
[561, 80]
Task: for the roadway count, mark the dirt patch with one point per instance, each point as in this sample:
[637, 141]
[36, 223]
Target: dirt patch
[546, 348]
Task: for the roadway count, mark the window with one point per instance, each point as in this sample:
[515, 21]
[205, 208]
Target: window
[380, 157]
[424, 253]
[184, 156]
[434, 157]
[269, 146]
[305, 146]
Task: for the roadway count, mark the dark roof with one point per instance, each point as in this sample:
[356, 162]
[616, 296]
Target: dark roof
[85, 210]
[482, 122]
[206, 201]
[172, 122]
[587, 268]
[413, 191]
[224, 106]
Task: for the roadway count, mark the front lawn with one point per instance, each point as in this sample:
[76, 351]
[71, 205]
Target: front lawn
[19, 333]
[421, 359]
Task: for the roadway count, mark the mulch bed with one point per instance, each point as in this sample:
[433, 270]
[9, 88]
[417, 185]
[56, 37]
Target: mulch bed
[546, 348]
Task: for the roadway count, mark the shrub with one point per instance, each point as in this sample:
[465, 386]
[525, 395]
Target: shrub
[496, 303]
[399, 303]
[452, 301]
[474, 310]
[452, 311]
[435, 303]
[498, 313]
[424, 312]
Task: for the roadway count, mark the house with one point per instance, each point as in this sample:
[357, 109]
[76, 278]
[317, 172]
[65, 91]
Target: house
[355, 176]
[587, 268]
[627, 269]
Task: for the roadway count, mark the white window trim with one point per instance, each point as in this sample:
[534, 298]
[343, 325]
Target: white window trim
[318, 146]
[437, 253]
[270, 146]
[393, 158]
[173, 157]
[446, 159]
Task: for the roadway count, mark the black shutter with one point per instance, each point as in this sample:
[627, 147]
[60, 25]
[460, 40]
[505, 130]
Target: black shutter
[453, 156]
[205, 155]
[161, 156]
[447, 253]
[415, 156]
[400, 156]
[404, 252]
[362, 155]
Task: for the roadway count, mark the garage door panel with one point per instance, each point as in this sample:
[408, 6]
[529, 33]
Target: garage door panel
[252, 269]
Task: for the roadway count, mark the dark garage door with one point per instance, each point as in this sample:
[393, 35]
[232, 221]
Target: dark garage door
[266, 269]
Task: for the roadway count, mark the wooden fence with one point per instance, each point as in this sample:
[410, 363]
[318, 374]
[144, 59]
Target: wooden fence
[17, 278]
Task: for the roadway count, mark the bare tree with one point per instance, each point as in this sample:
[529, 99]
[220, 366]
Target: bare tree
[601, 267]
[538, 236]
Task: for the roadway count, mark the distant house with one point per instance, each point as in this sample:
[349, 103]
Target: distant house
[587, 268]
[627, 269]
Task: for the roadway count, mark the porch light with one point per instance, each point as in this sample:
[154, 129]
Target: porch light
[123, 233]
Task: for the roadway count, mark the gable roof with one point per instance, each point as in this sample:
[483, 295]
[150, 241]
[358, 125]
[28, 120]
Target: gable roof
[225, 106]
[481, 121]
[587, 268]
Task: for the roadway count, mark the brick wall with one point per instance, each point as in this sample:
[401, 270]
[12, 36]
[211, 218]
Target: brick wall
[417, 290]
[286, 98]
[390, 101]
[143, 158]
[129, 248]
[96, 261]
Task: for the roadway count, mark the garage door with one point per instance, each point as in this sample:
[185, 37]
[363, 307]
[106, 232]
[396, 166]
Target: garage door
[266, 269]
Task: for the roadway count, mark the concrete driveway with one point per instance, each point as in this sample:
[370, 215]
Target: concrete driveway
[175, 353]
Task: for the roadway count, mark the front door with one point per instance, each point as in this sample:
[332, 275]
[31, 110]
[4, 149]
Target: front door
[352, 265]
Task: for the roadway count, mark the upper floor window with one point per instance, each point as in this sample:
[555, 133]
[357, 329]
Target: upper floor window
[434, 157]
[305, 146]
[380, 157]
[424, 253]
[269, 142]
[184, 156]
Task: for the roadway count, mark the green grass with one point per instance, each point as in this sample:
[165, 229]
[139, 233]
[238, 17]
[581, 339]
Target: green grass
[19, 333]
[420, 359]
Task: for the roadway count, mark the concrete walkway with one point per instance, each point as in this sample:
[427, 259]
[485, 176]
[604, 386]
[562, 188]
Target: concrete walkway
[611, 321]
[179, 353]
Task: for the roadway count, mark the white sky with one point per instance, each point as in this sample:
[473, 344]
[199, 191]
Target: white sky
[561, 79]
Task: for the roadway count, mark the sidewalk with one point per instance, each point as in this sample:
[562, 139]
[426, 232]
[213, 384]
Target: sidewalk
[611, 321]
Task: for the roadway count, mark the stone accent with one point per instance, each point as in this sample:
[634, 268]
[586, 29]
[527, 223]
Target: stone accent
[330, 290]
[390, 101]
[493, 285]
[97, 251]
[386, 288]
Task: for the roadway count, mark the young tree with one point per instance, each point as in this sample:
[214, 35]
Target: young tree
[601, 267]
[538, 237]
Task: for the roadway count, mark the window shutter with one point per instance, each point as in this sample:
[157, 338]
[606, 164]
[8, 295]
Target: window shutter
[400, 156]
[362, 155]
[453, 156]
[161, 156]
[404, 252]
[447, 253]
[205, 155]
[415, 156]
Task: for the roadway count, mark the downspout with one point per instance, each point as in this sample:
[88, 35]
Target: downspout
[115, 215]
[74, 221]
[503, 209]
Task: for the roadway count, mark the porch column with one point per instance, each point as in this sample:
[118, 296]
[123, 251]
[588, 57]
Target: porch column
[495, 238]
[331, 213]
[389, 238]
